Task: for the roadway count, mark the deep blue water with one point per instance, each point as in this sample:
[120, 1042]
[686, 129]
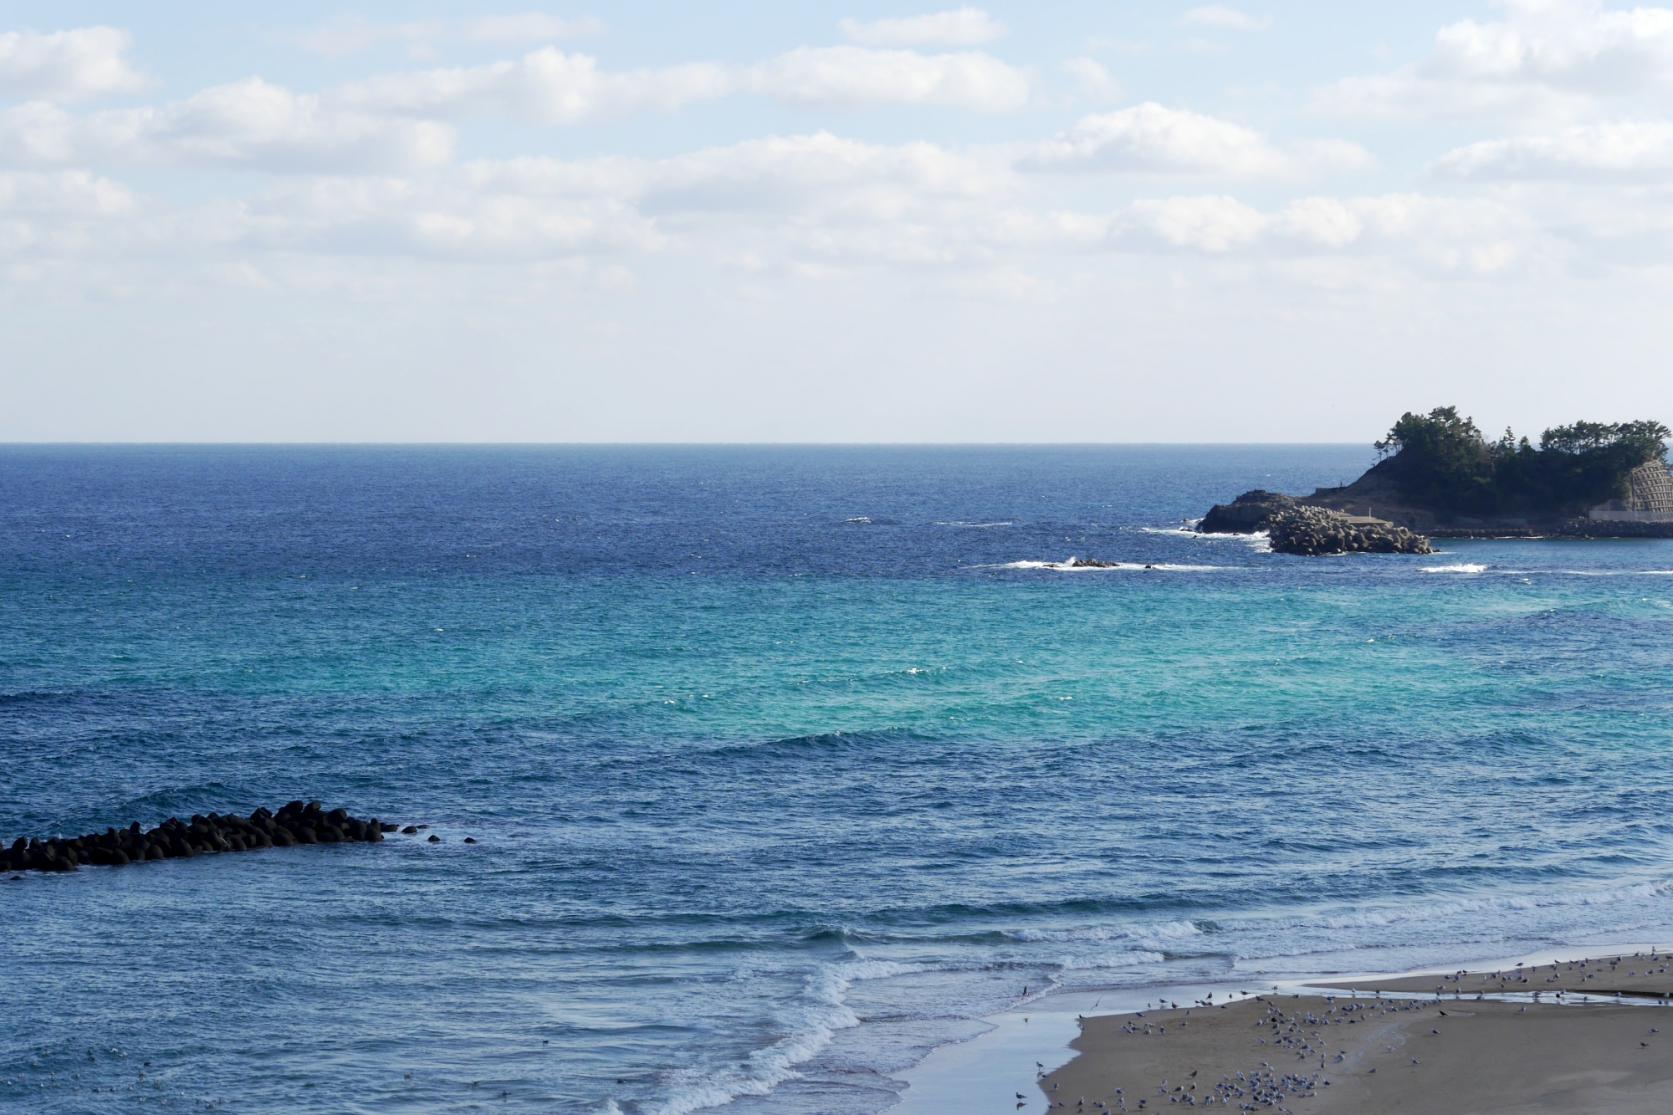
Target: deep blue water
[787, 763]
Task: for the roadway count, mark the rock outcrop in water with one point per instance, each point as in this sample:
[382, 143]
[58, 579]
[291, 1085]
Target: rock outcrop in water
[294, 823]
[1296, 527]
[1316, 531]
[1249, 513]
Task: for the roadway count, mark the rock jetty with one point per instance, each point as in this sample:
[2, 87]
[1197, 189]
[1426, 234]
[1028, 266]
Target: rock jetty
[294, 823]
[1316, 531]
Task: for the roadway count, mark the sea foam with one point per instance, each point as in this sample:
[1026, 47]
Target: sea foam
[808, 1025]
[1070, 565]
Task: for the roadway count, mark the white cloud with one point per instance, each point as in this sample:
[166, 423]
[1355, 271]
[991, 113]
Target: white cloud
[66, 65]
[1152, 138]
[545, 85]
[551, 86]
[1412, 93]
[422, 38]
[525, 27]
[861, 76]
[1449, 234]
[1093, 79]
[1219, 17]
[1206, 224]
[1544, 57]
[784, 201]
[441, 219]
[1631, 150]
[1561, 41]
[764, 177]
[249, 124]
[958, 27]
[1436, 235]
[71, 193]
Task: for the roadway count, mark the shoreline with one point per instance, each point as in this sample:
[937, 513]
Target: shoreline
[1011, 1066]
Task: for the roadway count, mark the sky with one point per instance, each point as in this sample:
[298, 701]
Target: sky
[1089, 221]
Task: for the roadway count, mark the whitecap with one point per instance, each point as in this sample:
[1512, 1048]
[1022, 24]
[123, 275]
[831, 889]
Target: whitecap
[809, 1025]
[1075, 565]
[1146, 936]
[1259, 539]
[1458, 567]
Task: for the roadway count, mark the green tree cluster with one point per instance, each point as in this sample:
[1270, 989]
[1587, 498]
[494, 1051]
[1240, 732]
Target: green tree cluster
[1441, 460]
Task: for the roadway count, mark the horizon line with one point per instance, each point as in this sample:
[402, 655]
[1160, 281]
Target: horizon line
[137, 444]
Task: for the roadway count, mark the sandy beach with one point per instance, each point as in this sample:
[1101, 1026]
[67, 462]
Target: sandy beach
[1393, 1045]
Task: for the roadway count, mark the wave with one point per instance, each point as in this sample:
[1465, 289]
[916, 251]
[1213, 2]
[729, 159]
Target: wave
[1169, 932]
[1074, 565]
[1101, 961]
[974, 525]
[810, 1026]
[1426, 912]
[1597, 572]
[815, 744]
[1481, 567]
[1259, 539]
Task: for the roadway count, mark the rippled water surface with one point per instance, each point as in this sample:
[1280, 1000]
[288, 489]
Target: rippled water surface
[787, 764]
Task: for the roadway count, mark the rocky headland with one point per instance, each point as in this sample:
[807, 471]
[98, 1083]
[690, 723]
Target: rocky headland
[1438, 477]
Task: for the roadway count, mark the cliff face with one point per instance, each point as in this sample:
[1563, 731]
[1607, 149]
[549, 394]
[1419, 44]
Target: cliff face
[1644, 510]
[1647, 504]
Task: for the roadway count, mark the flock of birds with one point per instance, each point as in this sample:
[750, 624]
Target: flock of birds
[1304, 1033]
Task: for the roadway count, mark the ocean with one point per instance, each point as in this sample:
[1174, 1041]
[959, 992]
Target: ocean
[787, 764]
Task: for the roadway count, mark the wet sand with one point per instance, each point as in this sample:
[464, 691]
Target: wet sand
[1360, 1052]
[1640, 974]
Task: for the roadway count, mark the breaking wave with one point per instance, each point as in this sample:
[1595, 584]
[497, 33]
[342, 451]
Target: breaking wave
[809, 1024]
[1074, 565]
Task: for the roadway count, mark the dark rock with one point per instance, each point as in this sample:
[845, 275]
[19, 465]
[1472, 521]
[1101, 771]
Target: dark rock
[1249, 513]
[434, 839]
[203, 834]
[470, 840]
[410, 830]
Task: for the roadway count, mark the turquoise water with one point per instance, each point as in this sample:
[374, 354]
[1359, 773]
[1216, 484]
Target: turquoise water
[787, 764]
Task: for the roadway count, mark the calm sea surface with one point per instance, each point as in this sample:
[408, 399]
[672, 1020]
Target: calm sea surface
[786, 763]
